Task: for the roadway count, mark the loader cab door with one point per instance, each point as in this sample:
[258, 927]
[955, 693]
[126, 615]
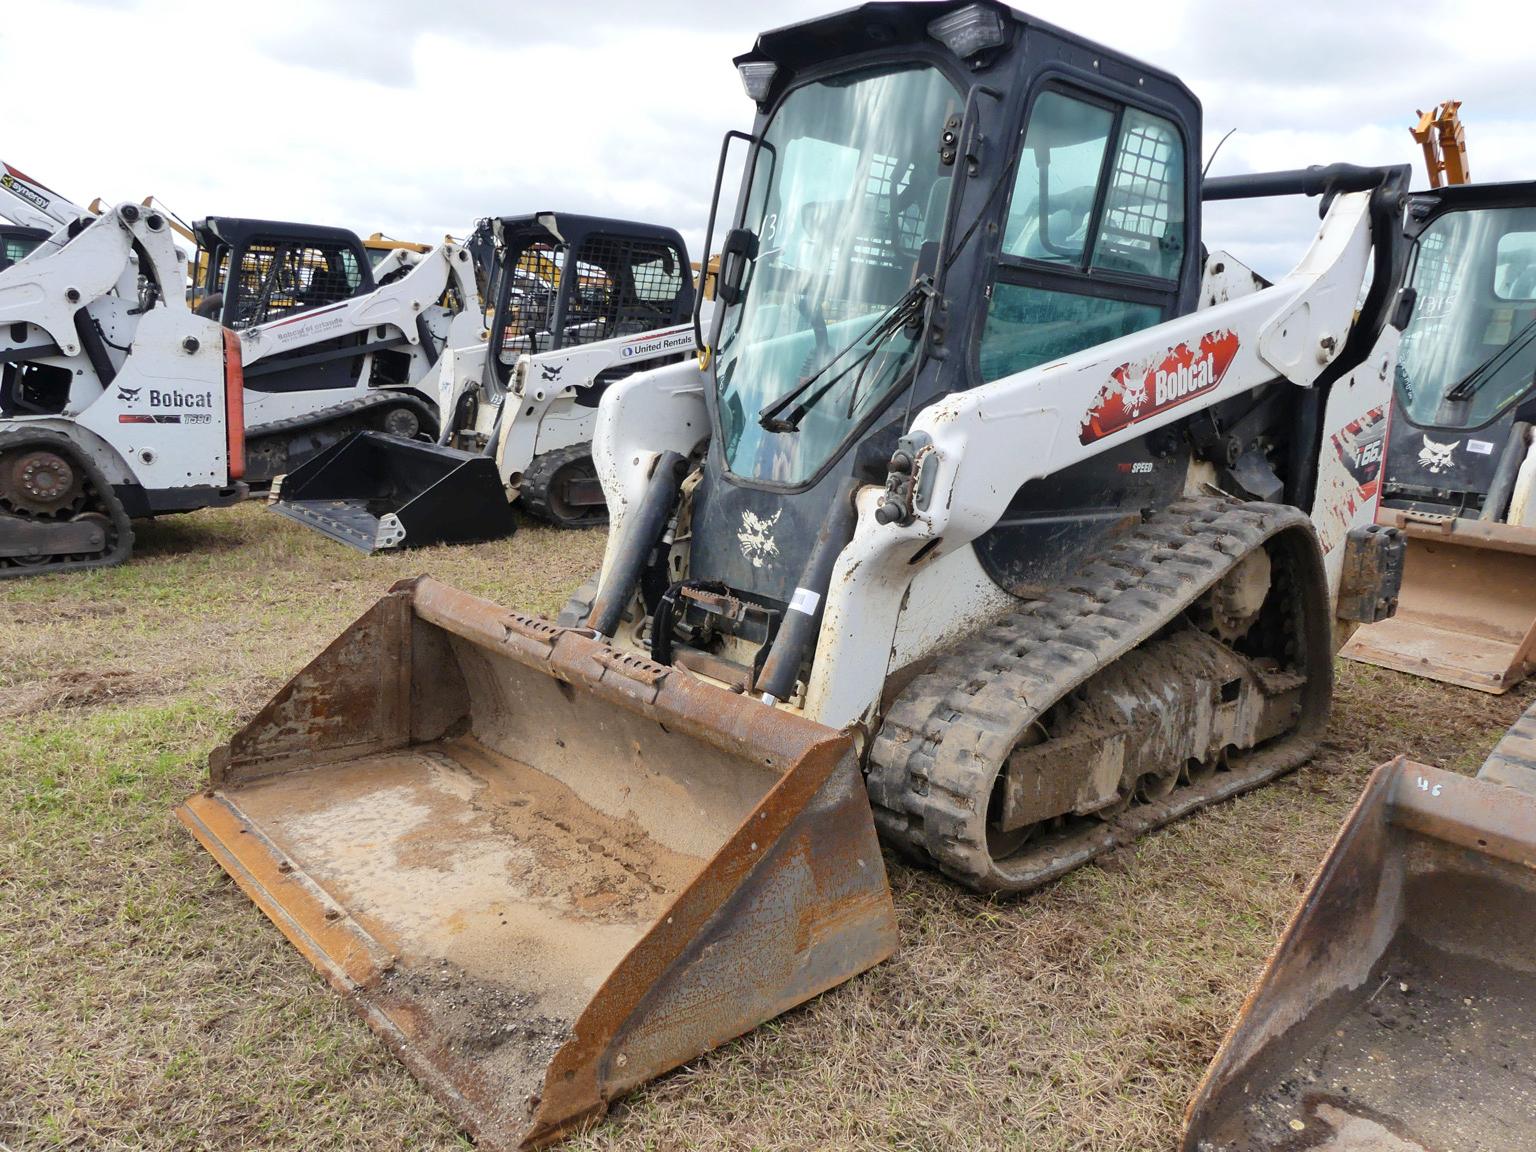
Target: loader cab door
[16, 243]
[1096, 245]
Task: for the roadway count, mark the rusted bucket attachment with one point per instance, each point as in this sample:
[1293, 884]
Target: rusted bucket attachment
[542, 870]
[1398, 1013]
[1467, 610]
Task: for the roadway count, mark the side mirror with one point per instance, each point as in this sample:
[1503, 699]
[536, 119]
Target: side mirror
[739, 247]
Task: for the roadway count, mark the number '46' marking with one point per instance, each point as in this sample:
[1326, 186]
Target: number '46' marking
[1426, 786]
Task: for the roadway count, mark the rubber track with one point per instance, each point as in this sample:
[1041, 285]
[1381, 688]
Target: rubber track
[533, 493]
[100, 497]
[933, 762]
[1513, 759]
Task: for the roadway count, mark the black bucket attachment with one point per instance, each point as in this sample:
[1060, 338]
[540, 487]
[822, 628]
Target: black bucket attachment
[375, 491]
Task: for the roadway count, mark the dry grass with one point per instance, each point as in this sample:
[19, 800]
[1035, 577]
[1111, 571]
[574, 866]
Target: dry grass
[144, 1003]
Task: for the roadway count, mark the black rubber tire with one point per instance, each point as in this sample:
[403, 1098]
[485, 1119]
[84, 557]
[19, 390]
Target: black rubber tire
[539, 492]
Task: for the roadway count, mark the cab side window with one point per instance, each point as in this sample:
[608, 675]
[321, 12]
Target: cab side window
[1094, 240]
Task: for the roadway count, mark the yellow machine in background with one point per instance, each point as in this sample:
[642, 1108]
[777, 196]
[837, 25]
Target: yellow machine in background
[1440, 133]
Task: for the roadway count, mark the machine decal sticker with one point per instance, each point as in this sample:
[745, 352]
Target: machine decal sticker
[1436, 456]
[1349, 479]
[551, 371]
[125, 418]
[756, 544]
[1481, 447]
[128, 395]
[13, 184]
[680, 339]
[1359, 445]
[1138, 390]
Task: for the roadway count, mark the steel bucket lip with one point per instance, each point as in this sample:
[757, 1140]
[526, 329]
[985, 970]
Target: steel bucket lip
[807, 829]
[1402, 801]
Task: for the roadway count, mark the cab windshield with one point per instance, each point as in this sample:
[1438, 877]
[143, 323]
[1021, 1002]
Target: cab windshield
[846, 188]
[1470, 349]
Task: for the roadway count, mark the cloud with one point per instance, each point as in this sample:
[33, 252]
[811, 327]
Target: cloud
[417, 118]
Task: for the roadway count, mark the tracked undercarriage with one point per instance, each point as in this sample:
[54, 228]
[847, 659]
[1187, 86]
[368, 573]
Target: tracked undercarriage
[57, 512]
[1130, 696]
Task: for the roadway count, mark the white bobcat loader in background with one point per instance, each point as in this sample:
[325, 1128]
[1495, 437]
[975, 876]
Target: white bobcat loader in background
[1460, 474]
[579, 302]
[111, 408]
[992, 517]
[331, 343]
[91, 435]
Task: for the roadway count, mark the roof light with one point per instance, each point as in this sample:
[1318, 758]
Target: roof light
[969, 30]
[757, 78]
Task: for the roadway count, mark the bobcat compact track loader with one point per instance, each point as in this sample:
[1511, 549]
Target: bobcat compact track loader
[103, 417]
[1460, 476]
[1398, 1011]
[580, 302]
[992, 516]
[331, 342]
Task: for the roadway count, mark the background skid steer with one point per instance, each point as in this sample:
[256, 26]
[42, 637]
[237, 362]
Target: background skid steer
[579, 302]
[1398, 1012]
[1460, 476]
[434, 813]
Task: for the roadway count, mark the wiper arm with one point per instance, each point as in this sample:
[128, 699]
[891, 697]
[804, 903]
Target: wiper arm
[1473, 381]
[885, 325]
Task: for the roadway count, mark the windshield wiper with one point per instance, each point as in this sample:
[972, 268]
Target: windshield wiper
[1473, 381]
[892, 320]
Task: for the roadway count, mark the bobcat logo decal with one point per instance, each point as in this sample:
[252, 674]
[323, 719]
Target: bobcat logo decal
[756, 544]
[128, 395]
[1437, 457]
[551, 371]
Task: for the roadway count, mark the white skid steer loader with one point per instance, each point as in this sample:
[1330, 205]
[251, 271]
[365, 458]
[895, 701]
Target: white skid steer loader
[117, 401]
[579, 302]
[991, 516]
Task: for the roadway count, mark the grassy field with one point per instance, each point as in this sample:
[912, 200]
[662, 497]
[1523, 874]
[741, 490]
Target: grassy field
[145, 1003]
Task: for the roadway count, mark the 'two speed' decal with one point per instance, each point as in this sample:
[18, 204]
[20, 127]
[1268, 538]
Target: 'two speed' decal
[1139, 390]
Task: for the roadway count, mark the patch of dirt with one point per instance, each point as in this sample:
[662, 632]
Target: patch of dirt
[1434, 1051]
[27, 613]
[491, 1040]
[81, 690]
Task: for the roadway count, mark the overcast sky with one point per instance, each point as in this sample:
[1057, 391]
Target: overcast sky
[415, 117]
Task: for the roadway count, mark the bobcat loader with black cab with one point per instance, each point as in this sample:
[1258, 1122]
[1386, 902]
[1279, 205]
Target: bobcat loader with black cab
[99, 420]
[17, 242]
[1460, 476]
[991, 516]
[331, 342]
[579, 302]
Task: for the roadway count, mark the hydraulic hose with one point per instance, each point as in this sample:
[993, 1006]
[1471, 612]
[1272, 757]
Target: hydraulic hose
[1503, 486]
[797, 634]
[641, 530]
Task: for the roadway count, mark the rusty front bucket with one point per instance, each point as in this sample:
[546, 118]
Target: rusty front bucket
[1467, 611]
[542, 870]
[1398, 1013]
